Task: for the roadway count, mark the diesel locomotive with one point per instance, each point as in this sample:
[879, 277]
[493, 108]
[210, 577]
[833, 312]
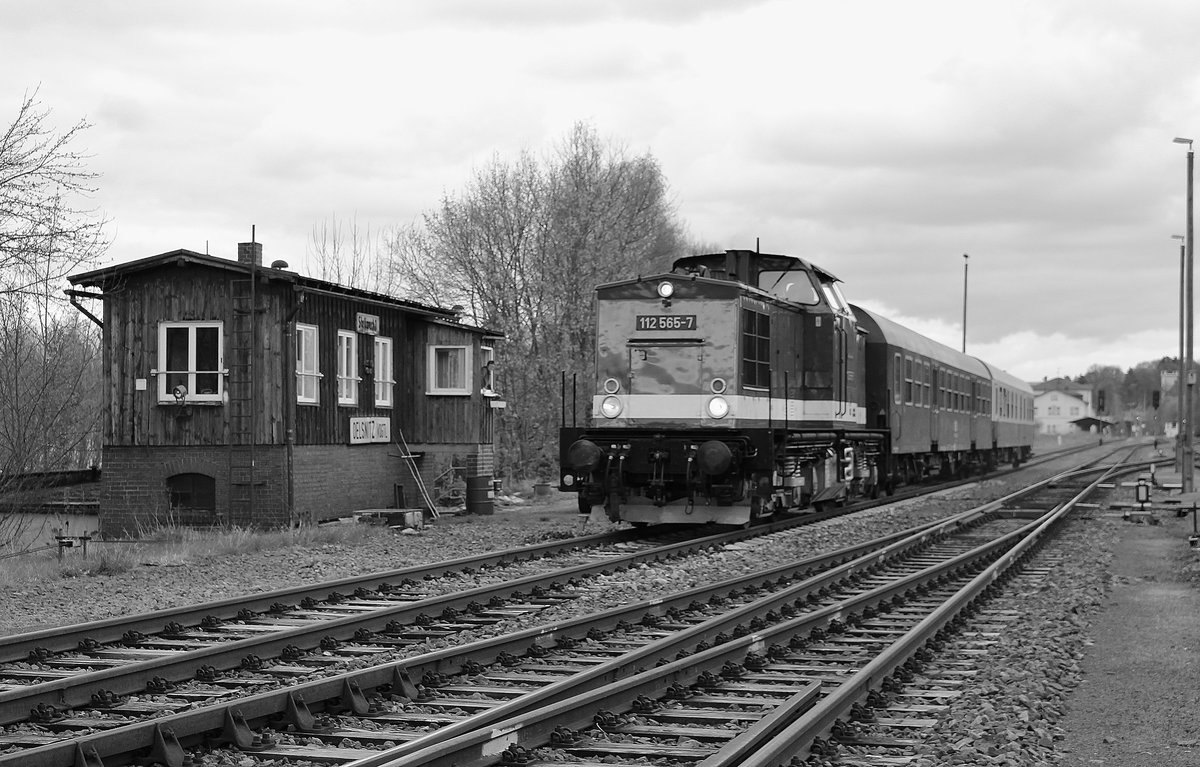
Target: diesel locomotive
[741, 385]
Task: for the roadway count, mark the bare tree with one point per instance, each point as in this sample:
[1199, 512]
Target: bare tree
[50, 403]
[49, 379]
[349, 254]
[45, 230]
[521, 248]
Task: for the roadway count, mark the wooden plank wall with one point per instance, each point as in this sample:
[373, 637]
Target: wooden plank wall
[133, 312]
[422, 418]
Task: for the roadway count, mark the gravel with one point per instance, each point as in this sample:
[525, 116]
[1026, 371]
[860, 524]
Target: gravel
[1057, 689]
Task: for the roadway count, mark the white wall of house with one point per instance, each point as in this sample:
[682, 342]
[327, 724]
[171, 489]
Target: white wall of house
[1053, 411]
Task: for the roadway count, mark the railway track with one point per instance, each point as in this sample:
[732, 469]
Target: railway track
[519, 672]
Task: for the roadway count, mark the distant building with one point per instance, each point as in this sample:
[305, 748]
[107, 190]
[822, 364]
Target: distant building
[237, 394]
[1060, 401]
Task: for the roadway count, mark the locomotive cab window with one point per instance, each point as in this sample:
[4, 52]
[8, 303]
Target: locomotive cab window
[790, 285]
[190, 360]
[837, 301]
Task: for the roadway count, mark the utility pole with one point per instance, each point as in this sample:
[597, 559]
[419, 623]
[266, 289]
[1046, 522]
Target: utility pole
[966, 258]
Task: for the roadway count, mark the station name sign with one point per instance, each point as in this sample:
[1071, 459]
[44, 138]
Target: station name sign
[367, 323]
[364, 431]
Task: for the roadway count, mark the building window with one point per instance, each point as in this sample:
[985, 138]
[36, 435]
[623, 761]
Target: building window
[308, 371]
[192, 492]
[384, 380]
[487, 372]
[756, 349]
[347, 356]
[190, 361]
[448, 370]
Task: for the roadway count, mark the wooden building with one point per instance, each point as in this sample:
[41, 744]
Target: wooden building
[247, 395]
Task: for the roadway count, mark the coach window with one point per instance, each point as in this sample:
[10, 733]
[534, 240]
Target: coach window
[756, 349]
[308, 373]
[190, 359]
[347, 367]
[384, 376]
[926, 393]
[908, 380]
[448, 370]
[897, 378]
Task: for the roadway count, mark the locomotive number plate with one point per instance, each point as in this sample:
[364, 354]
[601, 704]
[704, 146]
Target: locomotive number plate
[666, 322]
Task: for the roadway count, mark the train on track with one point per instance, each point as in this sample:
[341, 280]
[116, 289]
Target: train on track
[741, 385]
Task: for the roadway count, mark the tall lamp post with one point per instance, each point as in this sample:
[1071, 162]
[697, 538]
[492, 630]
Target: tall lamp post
[1186, 420]
[966, 258]
[1179, 381]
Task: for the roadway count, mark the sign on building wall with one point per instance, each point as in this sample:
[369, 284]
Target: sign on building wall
[367, 323]
[367, 430]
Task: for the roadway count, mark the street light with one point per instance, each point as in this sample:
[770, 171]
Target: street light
[1179, 381]
[965, 259]
[1188, 456]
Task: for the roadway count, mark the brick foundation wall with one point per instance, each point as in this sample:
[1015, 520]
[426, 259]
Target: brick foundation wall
[134, 497]
[334, 480]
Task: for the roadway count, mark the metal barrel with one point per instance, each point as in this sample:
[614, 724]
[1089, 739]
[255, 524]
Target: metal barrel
[479, 495]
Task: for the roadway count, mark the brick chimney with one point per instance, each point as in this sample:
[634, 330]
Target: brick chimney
[250, 253]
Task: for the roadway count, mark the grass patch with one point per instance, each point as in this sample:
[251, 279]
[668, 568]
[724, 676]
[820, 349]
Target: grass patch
[173, 546]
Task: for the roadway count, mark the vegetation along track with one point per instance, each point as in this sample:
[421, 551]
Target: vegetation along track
[419, 691]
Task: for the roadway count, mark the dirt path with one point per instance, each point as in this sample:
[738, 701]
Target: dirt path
[1139, 703]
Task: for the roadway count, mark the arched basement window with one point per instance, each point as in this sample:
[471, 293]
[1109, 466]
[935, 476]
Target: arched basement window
[193, 493]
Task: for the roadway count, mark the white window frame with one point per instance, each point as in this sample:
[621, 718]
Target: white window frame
[347, 367]
[308, 370]
[487, 354]
[167, 396]
[385, 379]
[464, 386]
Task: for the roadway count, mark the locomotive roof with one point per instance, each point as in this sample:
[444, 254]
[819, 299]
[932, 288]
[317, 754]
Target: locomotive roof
[723, 262]
[881, 329]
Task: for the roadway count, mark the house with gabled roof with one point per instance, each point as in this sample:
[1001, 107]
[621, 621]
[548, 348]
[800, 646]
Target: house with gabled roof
[238, 394]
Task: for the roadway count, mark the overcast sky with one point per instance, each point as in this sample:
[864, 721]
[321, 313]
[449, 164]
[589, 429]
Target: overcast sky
[879, 139]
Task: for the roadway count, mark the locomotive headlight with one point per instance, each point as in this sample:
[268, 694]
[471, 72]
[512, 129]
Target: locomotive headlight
[610, 407]
[611, 386]
[666, 289]
[717, 385]
[583, 456]
[718, 407]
